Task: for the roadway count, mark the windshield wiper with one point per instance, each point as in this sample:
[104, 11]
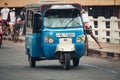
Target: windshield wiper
[69, 22]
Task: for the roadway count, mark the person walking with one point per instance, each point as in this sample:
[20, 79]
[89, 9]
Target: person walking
[4, 13]
[0, 30]
[16, 30]
[22, 15]
[88, 27]
[11, 19]
[0, 19]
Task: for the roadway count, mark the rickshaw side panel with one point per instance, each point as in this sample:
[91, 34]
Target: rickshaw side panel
[33, 46]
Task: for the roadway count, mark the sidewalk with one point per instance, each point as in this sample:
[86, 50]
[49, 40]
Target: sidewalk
[108, 48]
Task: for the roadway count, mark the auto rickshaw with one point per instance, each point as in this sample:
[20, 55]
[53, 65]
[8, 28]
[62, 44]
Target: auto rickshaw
[54, 31]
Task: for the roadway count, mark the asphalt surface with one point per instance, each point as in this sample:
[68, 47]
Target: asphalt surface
[14, 66]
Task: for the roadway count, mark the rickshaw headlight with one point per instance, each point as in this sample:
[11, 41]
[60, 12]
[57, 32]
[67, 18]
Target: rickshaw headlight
[49, 39]
[80, 38]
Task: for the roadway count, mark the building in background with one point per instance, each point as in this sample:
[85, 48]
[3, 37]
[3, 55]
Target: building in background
[106, 8]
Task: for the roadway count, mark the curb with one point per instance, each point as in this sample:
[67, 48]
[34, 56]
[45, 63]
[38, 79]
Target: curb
[104, 54]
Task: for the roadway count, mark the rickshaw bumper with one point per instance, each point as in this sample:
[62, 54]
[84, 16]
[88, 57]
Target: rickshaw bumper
[51, 51]
[65, 47]
[75, 50]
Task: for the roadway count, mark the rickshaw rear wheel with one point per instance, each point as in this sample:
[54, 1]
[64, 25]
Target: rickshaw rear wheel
[32, 62]
[67, 61]
[75, 61]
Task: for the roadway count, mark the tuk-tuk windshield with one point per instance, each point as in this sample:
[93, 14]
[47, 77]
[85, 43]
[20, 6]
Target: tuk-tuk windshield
[62, 18]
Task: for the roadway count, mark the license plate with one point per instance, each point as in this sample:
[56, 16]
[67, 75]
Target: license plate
[65, 34]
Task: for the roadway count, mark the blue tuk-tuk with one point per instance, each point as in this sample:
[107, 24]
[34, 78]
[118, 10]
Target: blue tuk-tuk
[54, 31]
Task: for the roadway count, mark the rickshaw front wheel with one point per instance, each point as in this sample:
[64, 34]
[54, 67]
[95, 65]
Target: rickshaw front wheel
[67, 61]
[32, 62]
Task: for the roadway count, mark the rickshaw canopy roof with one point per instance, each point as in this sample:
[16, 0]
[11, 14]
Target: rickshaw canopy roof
[53, 5]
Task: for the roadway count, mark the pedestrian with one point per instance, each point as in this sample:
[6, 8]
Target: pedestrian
[4, 13]
[0, 19]
[22, 15]
[11, 19]
[0, 30]
[16, 29]
[88, 27]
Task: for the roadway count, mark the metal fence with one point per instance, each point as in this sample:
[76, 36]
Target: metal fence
[106, 30]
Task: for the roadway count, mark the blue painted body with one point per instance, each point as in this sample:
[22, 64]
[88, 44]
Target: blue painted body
[39, 48]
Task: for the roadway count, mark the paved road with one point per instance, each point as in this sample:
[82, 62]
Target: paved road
[14, 66]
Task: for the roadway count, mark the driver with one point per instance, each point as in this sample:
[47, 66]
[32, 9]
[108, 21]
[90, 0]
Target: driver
[88, 27]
